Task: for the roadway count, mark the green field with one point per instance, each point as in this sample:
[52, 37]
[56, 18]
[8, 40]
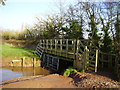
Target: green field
[12, 51]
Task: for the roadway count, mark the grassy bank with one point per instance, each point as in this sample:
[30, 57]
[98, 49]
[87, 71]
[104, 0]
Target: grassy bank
[12, 52]
[29, 44]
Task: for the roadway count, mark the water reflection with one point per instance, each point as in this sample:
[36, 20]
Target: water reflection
[13, 72]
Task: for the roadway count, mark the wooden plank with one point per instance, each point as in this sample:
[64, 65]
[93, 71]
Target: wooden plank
[40, 51]
[92, 57]
[40, 42]
[66, 47]
[90, 68]
[60, 46]
[47, 44]
[74, 46]
[93, 65]
[96, 61]
[81, 51]
[51, 44]
[38, 54]
[66, 59]
[71, 39]
[70, 45]
[81, 44]
[91, 52]
[43, 43]
[58, 64]
[55, 46]
[91, 61]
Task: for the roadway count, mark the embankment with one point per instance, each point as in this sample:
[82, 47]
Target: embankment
[29, 44]
[13, 50]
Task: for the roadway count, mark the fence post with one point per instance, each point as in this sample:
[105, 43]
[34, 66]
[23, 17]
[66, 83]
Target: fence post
[61, 47]
[77, 48]
[96, 62]
[66, 47]
[102, 60]
[51, 45]
[86, 58]
[23, 60]
[55, 47]
[84, 62]
[34, 62]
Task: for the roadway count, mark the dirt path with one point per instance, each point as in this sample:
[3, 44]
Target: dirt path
[50, 81]
[79, 80]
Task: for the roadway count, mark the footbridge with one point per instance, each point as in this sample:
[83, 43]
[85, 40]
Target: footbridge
[81, 52]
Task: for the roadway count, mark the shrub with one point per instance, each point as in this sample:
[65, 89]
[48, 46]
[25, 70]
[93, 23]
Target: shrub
[69, 71]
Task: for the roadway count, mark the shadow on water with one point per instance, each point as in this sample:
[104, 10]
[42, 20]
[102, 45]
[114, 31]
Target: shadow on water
[63, 65]
[13, 72]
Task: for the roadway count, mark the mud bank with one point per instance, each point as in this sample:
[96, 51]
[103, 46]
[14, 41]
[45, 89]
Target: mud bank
[79, 80]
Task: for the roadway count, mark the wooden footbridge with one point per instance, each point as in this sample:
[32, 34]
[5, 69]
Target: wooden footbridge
[80, 52]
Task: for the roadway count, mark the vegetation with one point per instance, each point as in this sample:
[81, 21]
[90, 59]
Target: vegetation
[2, 2]
[12, 51]
[70, 71]
[98, 22]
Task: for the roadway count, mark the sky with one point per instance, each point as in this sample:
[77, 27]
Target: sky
[19, 13]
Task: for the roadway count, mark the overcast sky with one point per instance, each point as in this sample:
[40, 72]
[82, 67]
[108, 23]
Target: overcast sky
[24, 12]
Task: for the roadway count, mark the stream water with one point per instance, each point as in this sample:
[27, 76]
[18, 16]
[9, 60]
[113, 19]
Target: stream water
[13, 72]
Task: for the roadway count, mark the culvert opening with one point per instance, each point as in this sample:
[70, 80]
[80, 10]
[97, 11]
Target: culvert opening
[63, 65]
[56, 64]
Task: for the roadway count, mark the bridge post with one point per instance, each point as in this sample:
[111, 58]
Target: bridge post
[51, 44]
[77, 59]
[66, 47]
[46, 44]
[74, 62]
[55, 46]
[61, 47]
[75, 45]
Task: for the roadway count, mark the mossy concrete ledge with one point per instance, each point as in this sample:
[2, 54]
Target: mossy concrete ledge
[25, 62]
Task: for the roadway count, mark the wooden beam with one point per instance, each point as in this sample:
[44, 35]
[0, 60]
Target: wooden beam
[96, 63]
[66, 47]
[55, 46]
[61, 47]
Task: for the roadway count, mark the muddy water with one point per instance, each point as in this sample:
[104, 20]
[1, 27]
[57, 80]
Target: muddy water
[13, 72]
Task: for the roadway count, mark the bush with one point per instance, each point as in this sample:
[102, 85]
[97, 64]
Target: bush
[69, 71]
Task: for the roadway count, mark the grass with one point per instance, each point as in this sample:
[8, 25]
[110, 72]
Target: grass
[12, 51]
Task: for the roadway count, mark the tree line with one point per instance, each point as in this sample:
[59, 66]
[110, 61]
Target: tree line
[95, 21]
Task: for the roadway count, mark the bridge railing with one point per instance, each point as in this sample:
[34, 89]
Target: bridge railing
[84, 53]
[68, 48]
